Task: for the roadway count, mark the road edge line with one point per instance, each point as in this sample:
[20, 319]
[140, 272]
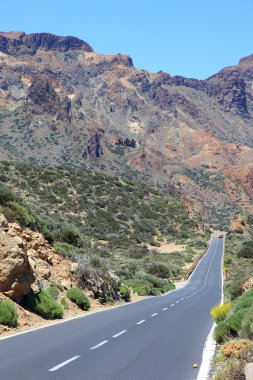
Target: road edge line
[210, 344]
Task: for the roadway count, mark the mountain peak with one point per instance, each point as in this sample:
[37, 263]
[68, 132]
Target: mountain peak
[20, 43]
[246, 60]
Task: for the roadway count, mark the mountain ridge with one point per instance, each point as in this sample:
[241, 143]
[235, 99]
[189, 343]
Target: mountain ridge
[67, 105]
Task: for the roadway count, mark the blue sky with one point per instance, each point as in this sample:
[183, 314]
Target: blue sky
[193, 38]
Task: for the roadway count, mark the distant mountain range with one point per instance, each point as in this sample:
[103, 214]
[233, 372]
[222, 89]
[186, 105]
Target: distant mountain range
[63, 104]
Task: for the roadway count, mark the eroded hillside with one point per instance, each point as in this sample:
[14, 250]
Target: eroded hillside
[62, 103]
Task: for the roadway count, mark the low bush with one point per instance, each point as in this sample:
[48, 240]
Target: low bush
[125, 293]
[220, 312]
[247, 250]
[76, 295]
[53, 291]
[43, 304]
[221, 332]
[8, 314]
[247, 324]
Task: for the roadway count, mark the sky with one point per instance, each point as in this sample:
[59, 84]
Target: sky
[193, 38]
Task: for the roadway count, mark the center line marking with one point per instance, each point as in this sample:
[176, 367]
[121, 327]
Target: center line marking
[177, 301]
[165, 308]
[120, 333]
[153, 315]
[182, 299]
[64, 363]
[140, 322]
[99, 345]
[172, 304]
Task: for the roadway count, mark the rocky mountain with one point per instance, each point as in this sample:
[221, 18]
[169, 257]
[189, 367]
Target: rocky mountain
[62, 103]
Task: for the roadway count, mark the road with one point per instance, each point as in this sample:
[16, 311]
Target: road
[158, 338]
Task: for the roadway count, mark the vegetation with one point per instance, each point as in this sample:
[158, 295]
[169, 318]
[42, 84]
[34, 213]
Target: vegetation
[219, 312]
[8, 314]
[43, 304]
[234, 330]
[104, 223]
[76, 295]
[125, 293]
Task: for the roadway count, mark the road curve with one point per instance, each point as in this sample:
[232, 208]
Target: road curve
[158, 338]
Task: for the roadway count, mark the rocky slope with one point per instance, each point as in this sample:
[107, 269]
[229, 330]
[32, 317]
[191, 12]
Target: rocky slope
[29, 263]
[62, 103]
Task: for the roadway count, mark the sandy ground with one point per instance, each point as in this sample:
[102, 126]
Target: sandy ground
[167, 247]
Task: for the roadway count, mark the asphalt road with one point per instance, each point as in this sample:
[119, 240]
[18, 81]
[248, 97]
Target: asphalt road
[158, 338]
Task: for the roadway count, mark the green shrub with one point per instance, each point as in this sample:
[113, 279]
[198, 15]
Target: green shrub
[43, 304]
[64, 303]
[65, 249]
[125, 293]
[8, 314]
[6, 195]
[247, 324]
[76, 295]
[221, 332]
[53, 291]
[234, 321]
[68, 233]
[247, 250]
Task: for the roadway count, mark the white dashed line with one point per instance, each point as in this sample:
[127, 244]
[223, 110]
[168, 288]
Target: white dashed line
[172, 304]
[182, 299]
[165, 308]
[99, 345]
[120, 333]
[177, 301]
[64, 363]
[140, 322]
[153, 315]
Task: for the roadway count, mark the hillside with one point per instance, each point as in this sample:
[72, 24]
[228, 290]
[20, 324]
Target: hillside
[63, 104]
[104, 223]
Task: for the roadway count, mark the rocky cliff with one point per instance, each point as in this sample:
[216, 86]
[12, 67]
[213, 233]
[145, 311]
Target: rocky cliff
[62, 103]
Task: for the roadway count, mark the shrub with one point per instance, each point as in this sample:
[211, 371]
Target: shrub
[76, 295]
[158, 269]
[8, 314]
[236, 347]
[247, 250]
[221, 332]
[6, 195]
[64, 304]
[68, 233]
[247, 324]
[125, 293]
[65, 249]
[43, 304]
[220, 312]
[53, 291]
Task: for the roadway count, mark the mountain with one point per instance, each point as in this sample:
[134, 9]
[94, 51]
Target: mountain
[63, 104]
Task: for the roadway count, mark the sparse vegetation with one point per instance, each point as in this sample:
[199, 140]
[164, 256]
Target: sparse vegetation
[105, 222]
[125, 293]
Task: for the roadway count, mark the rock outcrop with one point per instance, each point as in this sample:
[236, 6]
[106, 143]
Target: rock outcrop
[16, 274]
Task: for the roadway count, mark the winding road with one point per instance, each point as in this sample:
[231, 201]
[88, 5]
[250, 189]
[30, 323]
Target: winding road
[158, 338]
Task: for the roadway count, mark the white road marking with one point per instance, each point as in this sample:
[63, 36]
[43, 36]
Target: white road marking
[172, 304]
[153, 315]
[64, 363]
[177, 301]
[140, 322]
[120, 333]
[165, 308]
[182, 299]
[99, 345]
